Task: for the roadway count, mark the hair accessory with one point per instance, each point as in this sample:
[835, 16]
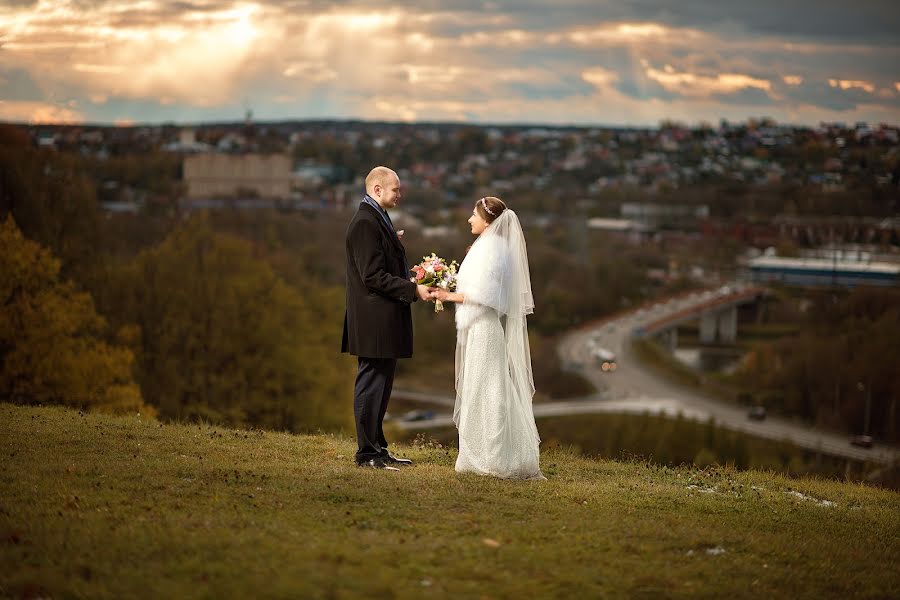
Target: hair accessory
[489, 211]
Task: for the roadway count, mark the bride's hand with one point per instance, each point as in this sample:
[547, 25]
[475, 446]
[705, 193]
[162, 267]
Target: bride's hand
[440, 294]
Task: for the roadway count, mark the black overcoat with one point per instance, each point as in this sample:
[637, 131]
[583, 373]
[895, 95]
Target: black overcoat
[378, 320]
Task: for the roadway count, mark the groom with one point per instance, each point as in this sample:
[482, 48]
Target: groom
[378, 322]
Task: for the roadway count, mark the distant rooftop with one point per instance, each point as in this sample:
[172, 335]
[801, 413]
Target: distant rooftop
[824, 264]
[611, 224]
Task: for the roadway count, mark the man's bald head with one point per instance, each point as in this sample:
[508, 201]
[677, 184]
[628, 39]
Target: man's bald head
[379, 176]
[383, 186]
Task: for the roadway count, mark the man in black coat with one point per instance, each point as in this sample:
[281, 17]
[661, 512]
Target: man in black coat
[378, 321]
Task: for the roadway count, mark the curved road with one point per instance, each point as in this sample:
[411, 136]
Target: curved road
[634, 388]
[643, 389]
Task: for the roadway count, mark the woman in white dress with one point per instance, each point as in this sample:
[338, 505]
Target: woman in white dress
[494, 383]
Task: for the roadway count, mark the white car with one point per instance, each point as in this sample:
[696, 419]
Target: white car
[605, 358]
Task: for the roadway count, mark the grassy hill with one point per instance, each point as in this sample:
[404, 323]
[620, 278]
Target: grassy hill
[101, 506]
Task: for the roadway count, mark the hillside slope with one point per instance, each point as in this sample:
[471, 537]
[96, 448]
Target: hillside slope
[100, 506]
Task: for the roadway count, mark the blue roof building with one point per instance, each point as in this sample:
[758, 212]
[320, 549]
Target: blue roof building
[823, 272]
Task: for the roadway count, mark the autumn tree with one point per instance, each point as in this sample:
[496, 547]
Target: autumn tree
[223, 338]
[841, 368]
[52, 200]
[52, 346]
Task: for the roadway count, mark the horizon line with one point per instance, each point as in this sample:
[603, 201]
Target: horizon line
[126, 124]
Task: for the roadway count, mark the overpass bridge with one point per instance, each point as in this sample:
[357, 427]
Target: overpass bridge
[716, 310]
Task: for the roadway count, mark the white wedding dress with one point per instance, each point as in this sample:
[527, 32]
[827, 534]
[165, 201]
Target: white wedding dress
[494, 385]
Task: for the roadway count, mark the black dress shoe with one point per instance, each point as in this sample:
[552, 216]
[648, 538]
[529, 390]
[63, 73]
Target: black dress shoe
[375, 463]
[390, 459]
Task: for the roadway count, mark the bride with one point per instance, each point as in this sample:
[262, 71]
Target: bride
[494, 384]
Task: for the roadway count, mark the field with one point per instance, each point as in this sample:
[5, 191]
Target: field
[101, 506]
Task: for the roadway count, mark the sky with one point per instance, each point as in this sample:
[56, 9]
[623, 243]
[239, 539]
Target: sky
[580, 62]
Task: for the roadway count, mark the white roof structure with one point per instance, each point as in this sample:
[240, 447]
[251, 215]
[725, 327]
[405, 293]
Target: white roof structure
[823, 264]
[611, 224]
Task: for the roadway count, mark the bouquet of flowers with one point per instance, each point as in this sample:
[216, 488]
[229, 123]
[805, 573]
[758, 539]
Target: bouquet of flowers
[434, 271]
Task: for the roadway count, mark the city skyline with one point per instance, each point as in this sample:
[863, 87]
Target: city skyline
[629, 63]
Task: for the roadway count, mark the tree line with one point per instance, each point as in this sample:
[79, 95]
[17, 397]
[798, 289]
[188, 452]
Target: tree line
[188, 322]
[840, 369]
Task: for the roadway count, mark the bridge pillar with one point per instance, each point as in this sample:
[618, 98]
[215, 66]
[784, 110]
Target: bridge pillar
[727, 325]
[708, 328]
[719, 326]
[670, 339]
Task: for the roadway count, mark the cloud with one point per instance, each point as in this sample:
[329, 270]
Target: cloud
[312, 71]
[833, 21]
[38, 112]
[693, 84]
[599, 77]
[466, 60]
[849, 84]
[17, 84]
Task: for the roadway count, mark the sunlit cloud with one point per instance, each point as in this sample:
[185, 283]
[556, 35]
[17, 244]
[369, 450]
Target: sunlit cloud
[436, 75]
[693, 84]
[39, 112]
[632, 62]
[599, 77]
[630, 33]
[105, 69]
[38, 46]
[420, 42]
[394, 107]
[605, 34]
[314, 71]
[849, 84]
[511, 37]
[354, 22]
[195, 56]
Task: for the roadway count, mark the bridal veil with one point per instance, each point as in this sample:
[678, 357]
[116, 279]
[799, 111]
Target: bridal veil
[495, 274]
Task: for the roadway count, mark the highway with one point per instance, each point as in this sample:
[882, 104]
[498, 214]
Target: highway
[635, 388]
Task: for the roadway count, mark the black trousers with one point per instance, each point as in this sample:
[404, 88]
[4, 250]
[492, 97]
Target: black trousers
[374, 381]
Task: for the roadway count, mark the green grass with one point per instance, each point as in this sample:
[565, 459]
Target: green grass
[656, 357]
[671, 442]
[99, 506]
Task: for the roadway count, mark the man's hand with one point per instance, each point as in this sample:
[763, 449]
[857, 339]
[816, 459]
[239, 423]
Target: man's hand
[424, 293]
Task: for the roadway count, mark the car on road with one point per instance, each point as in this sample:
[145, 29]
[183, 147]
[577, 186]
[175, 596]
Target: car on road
[757, 413]
[863, 441]
[605, 358]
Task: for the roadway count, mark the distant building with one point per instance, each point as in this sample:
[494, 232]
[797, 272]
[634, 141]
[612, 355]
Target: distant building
[311, 175]
[121, 207]
[244, 175]
[187, 143]
[655, 215]
[823, 272]
[187, 137]
[613, 225]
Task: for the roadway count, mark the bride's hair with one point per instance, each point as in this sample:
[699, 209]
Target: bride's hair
[490, 208]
